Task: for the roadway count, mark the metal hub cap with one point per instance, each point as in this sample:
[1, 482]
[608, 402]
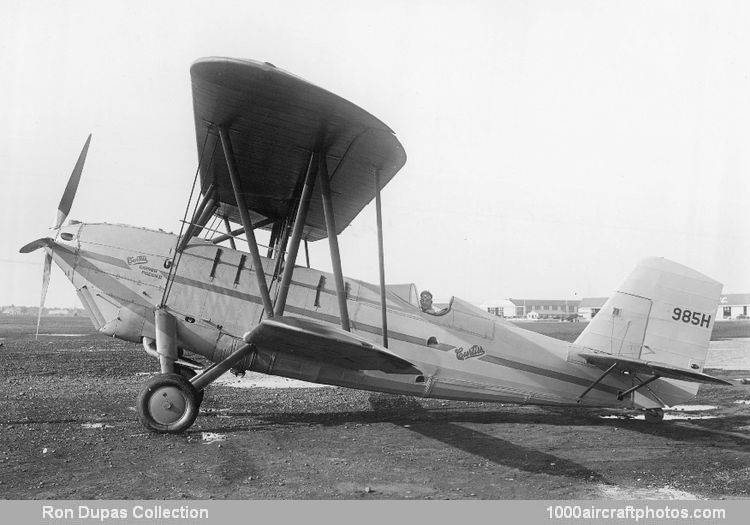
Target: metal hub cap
[167, 405]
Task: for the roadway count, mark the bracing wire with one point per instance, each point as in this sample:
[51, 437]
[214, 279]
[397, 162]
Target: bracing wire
[178, 256]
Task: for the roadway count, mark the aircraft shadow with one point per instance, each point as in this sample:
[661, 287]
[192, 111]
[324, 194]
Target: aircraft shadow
[441, 427]
[441, 424]
[503, 452]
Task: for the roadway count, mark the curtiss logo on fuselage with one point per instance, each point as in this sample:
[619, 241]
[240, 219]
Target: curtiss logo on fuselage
[141, 259]
[473, 351]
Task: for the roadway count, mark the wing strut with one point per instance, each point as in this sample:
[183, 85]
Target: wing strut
[299, 226]
[229, 231]
[202, 214]
[381, 260]
[260, 274]
[239, 231]
[333, 242]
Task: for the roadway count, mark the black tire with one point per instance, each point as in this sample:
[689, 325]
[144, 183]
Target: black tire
[189, 373]
[654, 415]
[168, 404]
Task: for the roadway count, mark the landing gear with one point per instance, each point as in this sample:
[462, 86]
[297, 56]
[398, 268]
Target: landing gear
[188, 373]
[654, 415]
[168, 404]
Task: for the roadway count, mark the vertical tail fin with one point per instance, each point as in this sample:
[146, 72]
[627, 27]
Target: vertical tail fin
[663, 312]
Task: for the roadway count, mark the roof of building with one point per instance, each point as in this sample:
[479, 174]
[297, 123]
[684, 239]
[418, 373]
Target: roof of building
[730, 299]
[592, 302]
[497, 303]
[530, 303]
[735, 299]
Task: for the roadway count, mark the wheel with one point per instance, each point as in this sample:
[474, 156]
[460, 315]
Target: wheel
[168, 404]
[189, 373]
[654, 415]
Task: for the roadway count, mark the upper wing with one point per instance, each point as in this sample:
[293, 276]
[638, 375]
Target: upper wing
[628, 364]
[321, 342]
[275, 120]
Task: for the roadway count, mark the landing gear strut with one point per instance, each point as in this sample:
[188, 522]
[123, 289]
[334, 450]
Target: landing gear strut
[654, 415]
[168, 404]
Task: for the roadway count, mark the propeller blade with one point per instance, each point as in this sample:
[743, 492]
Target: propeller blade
[66, 202]
[45, 285]
[35, 245]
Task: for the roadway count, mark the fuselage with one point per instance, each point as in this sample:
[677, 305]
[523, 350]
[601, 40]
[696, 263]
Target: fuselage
[123, 273]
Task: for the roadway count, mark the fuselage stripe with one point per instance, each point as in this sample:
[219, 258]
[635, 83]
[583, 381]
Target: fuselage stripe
[217, 289]
[495, 360]
[114, 261]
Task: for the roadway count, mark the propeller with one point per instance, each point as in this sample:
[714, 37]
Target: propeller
[66, 202]
[45, 285]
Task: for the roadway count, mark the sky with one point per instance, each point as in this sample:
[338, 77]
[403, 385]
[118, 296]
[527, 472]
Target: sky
[551, 145]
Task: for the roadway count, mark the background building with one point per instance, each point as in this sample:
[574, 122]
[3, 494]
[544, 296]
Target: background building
[734, 306]
[500, 308]
[565, 309]
[546, 308]
[731, 306]
[590, 306]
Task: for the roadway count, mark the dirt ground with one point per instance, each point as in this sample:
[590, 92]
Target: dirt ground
[68, 430]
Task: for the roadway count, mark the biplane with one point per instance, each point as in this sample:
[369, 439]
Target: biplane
[279, 154]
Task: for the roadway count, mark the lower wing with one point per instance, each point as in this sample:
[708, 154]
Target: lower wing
[322, 342]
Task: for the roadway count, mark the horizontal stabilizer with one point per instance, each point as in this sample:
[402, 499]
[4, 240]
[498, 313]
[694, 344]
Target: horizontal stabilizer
[638, 366]
[322, 342]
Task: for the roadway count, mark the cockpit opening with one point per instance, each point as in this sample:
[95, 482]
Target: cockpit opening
[427, 306]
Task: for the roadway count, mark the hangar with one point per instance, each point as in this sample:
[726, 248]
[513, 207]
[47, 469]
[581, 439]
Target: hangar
[734, 306]
[590, 306]
[545, 308]
[500, 308]
[731, 306]
[533, 308]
